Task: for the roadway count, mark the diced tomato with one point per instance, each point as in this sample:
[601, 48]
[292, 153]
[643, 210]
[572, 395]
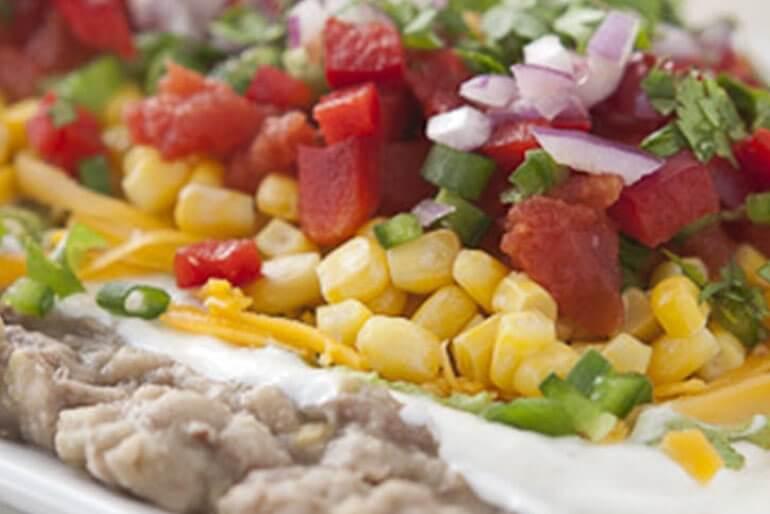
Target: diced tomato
[435, 79]
[353, 111]
[572, 251]
[272, 85]
[596, 191]
[26, 16]
[747, 232]
[754, 157]
[66, 145]
[712, 245]
[361, 53]
[510, 141]
[102, 25]
[402, 184]
[192, 116]
[19, 76]
[399, 112]
[235, 260]
[339, 188]
[654, 209]
[53, 48]
[733, 185]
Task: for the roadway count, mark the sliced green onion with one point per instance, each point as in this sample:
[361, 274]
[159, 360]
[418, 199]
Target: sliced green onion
[94, 173]
[29, 297]
[665, 142]
[398, 230]
[535, 176]
[588, 418]
[94, 84]
[463, 173]
[133, 300]
[80, 240]
[53, 274]
[758, 208]
[542, 415]
[22, 222]
[467, 220]
[589, 368]
[619, 394]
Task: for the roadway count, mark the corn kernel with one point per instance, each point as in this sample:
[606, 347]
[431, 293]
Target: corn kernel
[556, 358]
[674, 359]
[15, 119]
[517, 292]
[479, 274]
[287, 283]
[425, 264]
[732, 354]
[446, 312]
[519, 335]
[391, 302]
[215, 212]
[475, 321]
[357, 269]
[342, 321]
[151, 183]
[368, 229]
[278, 196]
[281, 238]
[8, 190]
[692, 450]
[472, 350]
[125, 96]
[670, 269]
[676, 306]
[639, 319]
[399, 349]
[5, 144]
[750, 260]
[208, 172]
[627, 354]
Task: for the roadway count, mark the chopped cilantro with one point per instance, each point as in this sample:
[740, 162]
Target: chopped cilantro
[419, 33]
[481, 61]
[579, 23]
[665, 142]
[660, 87]
[62, 112]
[535, 176]
[244, 26]
[94, 173]
[753, 104]
[635, 260]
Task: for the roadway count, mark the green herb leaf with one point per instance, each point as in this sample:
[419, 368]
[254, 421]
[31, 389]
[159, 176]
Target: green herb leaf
[80, 240]
[62, 112]
[481, 62]
[753, 104]
[94, 173]
[419, 33]
[660, 87]
[635, 260]
[93, 84]
[535, 176]
[53, 274]
[665, 142]
[579, 23]
[758, 208]
[245, 26]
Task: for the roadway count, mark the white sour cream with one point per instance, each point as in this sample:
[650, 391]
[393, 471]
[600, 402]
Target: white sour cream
[521, 471]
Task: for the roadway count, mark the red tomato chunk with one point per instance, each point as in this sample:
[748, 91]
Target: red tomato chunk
[362, 53]
[192, 115]
[572, 251]
[101, 25]
[435, 79]
[354, 111]
[236, 261]
[399, 112]
[754, 156]
[654, 209]
[339, 189]
[272, 85]
[66, 145]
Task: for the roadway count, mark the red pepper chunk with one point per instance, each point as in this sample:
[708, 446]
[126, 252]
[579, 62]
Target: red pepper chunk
[654, 209]
[102, 25]
[235, 260]
[435, 79]
[354, 111]
[356, 53]
[274, 86]
[69, 143]
[339, 188]
[509, 143]
[754, 156]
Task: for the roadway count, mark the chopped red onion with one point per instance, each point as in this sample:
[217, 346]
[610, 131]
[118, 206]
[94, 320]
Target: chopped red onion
[675, 42]
[464, 128]
[609, 51]
[549, 53]
[309, 20]
[430, 211]
[293, 31]
[550, 91]
[184, 17]
[592, 154]
[490, 90]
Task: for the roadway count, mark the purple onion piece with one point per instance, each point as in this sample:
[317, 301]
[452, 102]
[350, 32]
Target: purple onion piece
[430, 211]
[464, 128]
[550, 91]
[490, 90]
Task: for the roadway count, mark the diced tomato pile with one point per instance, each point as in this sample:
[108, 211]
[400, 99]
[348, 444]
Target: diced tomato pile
[349, 112]
[272, 85]
[236, 261]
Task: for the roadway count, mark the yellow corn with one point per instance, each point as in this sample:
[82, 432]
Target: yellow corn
[357, 269]
[692, 450]
[113, 112]
[676, 306]
[750, 260]
[732, 354]
[342, 321]
[475, 321]
[5, 144]
[479, 274]
[278, 196]
[8, 190]
[517, 292]
[15, 119]
[208, 172]
[399, 349]
[390, 302]
[555, 357]
[425, 264]
[446, 312]
[674, 359]
[472, 350]
[281, 238]
[670, 269]
[627, 354]
[215, 212]
[287, 283]
[639, 321]
[151, 183]
[519, 335]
